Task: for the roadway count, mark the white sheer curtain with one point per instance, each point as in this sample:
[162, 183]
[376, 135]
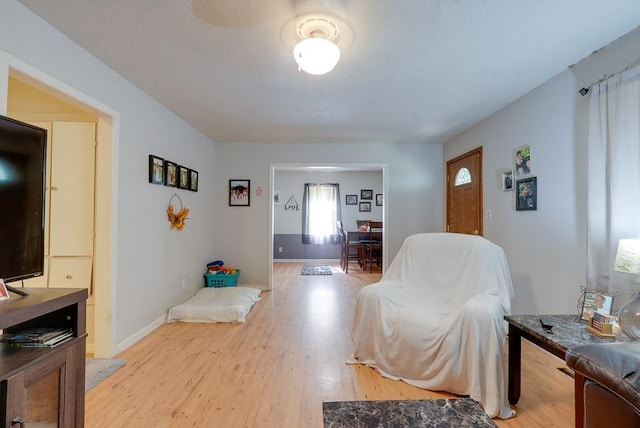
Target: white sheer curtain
[320, 213]
[613, 178]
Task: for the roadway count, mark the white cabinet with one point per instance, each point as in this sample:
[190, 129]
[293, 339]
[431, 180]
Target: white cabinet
[69, 210]
[71, 226]
[70, 272]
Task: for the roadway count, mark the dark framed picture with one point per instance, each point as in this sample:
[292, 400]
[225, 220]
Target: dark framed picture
[378, 199]
[352, 200]
[183, 177]
[527, 196]
[170, 174]
[366, 195]
[365, 207]
[193, 180]
[239, 193]
[156, 169]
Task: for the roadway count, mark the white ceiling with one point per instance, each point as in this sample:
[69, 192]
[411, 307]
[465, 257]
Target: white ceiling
[415, 70]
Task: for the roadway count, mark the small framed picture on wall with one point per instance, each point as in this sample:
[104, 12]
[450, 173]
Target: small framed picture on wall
[365, 207]
[193, 180]
[527, 194]
[522, 162]
[378, 199]
[170, 174]
[239, 193]
[156, 169]
[366, 194]
[183, 177]
[352, 200]
[506, 178]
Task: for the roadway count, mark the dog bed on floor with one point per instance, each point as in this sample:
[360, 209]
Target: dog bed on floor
[227, 304]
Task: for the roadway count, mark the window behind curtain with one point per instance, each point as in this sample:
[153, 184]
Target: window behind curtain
[613, 177]
[320, 212]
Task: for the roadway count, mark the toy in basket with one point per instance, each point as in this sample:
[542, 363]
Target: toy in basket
[218, 275]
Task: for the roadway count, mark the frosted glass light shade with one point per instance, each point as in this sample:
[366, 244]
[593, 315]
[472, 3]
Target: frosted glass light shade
[628, 256]
[316, 55]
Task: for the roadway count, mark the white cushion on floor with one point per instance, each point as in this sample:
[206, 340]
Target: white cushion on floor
[227, 304]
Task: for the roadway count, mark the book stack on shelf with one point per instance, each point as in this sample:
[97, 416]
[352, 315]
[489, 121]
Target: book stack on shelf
[40, 337]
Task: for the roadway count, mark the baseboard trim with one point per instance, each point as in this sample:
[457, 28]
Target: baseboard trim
[131, 340]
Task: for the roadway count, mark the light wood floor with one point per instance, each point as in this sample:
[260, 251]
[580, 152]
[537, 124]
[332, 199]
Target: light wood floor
[277, 368]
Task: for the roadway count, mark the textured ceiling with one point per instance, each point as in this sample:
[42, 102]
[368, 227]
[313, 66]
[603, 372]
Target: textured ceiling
[414, 71]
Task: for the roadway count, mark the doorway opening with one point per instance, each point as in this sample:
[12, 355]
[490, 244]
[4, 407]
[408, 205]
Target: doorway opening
[49, 101]
[286, 182]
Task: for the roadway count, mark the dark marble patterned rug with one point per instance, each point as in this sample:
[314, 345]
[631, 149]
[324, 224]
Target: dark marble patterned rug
[316, 270]
[438, 413]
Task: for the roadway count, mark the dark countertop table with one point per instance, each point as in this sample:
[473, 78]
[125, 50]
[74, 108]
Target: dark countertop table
[568, 331]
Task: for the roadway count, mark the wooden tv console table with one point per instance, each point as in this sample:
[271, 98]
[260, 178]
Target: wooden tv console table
[44, 385]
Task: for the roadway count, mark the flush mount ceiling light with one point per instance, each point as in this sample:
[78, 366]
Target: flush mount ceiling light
[317, 52]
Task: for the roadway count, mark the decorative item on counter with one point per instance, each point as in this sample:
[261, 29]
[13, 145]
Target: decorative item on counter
[603, 325]
[628, 261]
[178, 219]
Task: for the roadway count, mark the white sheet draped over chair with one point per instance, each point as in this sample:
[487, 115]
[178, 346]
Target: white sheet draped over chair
[435, 320]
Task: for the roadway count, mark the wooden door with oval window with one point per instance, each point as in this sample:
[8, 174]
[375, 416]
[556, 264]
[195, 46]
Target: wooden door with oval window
[464, 193]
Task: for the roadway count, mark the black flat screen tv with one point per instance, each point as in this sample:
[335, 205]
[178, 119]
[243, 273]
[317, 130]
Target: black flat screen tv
[22, 199]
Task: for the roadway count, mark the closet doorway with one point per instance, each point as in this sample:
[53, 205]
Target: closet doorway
[36, 98]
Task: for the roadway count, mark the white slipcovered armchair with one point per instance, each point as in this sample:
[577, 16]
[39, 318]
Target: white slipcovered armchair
[435, 320]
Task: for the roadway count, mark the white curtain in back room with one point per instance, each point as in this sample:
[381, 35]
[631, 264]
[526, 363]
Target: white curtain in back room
[320, 213]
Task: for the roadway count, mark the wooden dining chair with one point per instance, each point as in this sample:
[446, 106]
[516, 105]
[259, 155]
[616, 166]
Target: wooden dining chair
[372, 246]
[342, 244]
[349, 249]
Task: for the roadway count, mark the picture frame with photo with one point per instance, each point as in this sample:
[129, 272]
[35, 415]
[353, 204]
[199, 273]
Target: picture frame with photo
[506, 180]
[365, 207]
[170, 174]
[156, 169]
[193, 180]
[366, 194]
[522, 162]
[4, 293]
[183, 177]
[379, 199]
[595, 302]
[527, 194]
[351, 200]
[239, 193]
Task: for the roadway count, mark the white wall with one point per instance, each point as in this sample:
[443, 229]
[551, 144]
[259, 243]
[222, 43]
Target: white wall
[292, 183]
[150, 261]
[546, 248]
[413, 198]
